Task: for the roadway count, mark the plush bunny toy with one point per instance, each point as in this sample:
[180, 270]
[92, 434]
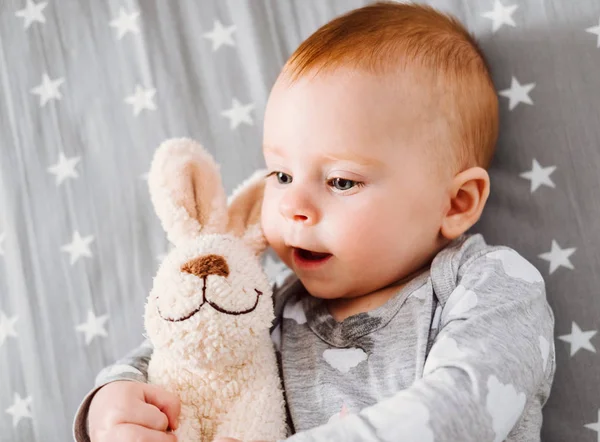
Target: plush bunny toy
[210, 308]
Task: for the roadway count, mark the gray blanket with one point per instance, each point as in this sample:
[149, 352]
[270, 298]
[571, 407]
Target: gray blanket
[88, 89]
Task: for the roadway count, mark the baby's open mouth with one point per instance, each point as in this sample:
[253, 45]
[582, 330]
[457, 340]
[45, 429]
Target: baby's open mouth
[310, 255]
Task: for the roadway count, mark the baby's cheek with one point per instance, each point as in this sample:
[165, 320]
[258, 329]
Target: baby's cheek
[266, 213]
[271, 230]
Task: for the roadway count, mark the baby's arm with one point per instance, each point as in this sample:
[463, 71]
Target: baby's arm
[492, 358]
[132, 367]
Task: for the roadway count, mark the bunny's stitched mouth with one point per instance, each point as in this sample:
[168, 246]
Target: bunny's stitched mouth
[213, 305]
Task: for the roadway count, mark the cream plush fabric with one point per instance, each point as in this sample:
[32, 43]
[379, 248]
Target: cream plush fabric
[210, 308]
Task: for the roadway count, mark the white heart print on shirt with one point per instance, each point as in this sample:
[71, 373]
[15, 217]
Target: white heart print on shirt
[446, 349]
[446, 353]
[505, 406]
[344, 359]
[295, 312]
[406, 420]
[516, 266]
[460, 301]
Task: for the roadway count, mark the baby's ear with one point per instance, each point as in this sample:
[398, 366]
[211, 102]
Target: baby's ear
[244, 211]
[186, 190]
[468, 195]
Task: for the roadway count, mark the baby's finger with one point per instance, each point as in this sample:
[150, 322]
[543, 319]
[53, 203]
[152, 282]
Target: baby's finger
[129, 432]
[149, 416]
[165, 401]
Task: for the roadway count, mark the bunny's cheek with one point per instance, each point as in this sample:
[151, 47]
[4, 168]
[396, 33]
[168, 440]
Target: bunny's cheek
[237, 312]
[177, 307]
[181, 318]
[232, 301]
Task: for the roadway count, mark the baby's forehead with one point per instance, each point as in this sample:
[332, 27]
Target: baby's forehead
[346, 103]
[405, 93]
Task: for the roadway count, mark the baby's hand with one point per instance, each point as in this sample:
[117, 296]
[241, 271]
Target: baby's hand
[126, 411]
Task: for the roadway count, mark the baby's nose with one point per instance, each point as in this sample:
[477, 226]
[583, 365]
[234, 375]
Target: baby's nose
[296, 207]
[206, 265]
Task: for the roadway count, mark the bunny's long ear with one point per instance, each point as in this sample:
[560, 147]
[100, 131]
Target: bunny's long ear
[244, 211]
[186, 190]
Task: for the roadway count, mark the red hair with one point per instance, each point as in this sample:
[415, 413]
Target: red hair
[387, 37]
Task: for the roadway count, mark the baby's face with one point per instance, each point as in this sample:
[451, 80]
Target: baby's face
[352, 180]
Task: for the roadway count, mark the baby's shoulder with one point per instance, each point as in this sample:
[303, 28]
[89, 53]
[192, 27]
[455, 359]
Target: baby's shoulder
[470, 261]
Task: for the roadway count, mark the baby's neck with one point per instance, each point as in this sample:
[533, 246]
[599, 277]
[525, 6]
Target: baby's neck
[342, 308]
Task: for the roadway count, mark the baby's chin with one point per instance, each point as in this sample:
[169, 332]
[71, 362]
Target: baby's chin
[324, 290]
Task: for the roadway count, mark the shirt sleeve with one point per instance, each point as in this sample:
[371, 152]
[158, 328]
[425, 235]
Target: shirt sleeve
[492, 359]
[132, 367]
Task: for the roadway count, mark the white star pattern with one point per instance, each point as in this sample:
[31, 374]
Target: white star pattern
[518, 93]
[32, 13]
[19, 409]
[239, 114]
[48, 89]
[501, 15]
[595, 426]
[141, 99]
[7, 327]
[539, 175]
[595, 30]
[126, 23]
[78, 247]
[93, 327]
[579, 339]
[220, 35]
[65, 168]
[558, 257]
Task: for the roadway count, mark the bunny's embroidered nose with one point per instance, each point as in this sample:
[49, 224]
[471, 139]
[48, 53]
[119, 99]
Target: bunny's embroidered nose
[207, 265]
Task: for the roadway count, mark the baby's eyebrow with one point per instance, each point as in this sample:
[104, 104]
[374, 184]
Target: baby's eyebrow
[354, 158]
[348, 157]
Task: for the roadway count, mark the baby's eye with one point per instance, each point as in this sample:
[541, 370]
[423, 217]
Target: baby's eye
[282, 177]
[342, 183]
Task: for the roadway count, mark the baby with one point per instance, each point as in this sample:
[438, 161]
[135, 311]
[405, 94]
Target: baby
[396, 325]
